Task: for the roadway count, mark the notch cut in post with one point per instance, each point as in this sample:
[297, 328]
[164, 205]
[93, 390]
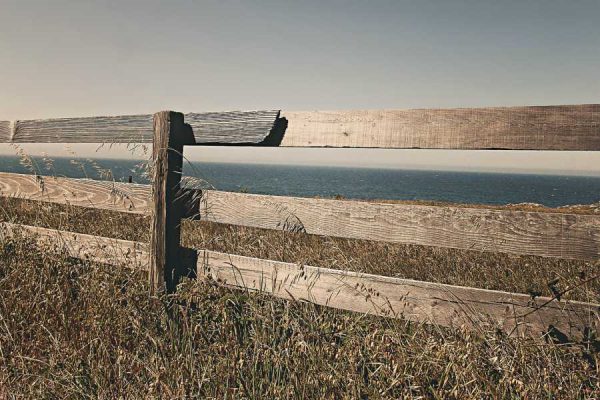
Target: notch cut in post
[170, 135]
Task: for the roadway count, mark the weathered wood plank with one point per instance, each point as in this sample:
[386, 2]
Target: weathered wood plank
[566, 127]
[170, 134]
[4, 129]
[446, 305]
[87, 247]
[235, 127]
[115, 196]
[560, 235]
[130, 198]
[519, 232]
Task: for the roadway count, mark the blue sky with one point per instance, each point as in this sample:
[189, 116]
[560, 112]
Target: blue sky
[82, 58]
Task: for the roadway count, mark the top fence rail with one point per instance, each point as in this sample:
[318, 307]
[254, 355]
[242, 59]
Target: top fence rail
[233, 128]
[563, 127]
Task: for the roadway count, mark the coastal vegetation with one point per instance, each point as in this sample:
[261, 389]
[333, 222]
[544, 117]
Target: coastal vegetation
[74, 329]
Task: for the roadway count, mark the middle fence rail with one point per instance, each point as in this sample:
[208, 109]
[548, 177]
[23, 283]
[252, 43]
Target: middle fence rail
[562, 235]
[548, 234]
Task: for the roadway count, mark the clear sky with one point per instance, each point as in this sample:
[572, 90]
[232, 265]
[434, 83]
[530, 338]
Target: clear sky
[81, 58]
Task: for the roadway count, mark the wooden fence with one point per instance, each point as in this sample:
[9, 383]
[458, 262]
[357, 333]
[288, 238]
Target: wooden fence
[563, 235]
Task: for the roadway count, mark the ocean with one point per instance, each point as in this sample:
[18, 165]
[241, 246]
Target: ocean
[352, 183]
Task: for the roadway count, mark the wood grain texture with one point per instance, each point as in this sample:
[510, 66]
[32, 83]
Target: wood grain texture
[170, 134]
[115, 196]
[232, 127]
[572, 236]
[235, 127]
[86, 247]
[5, 129]
[446, 305]
[567, 127]
[545, 234]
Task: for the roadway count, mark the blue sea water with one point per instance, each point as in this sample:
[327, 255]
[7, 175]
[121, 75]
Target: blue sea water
[359, 183]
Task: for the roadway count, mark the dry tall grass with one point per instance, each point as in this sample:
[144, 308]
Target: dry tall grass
[70, 329]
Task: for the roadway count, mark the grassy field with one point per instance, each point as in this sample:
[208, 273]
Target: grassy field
[70, 329]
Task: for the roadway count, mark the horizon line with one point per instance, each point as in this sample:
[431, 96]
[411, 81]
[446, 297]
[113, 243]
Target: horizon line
[430, 168]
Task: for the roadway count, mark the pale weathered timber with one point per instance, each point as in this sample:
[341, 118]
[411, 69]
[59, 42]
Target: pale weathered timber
[5, 129]
[560, 235]
[130, 198]
[170, 135]
[86, 247]
[446, 305]
[565, 127]
[234, 127]
[106, 195]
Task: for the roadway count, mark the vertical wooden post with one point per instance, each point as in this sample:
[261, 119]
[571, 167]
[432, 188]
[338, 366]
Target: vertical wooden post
[170, 134]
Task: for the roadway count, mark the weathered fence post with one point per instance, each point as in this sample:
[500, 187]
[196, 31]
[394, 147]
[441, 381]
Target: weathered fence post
[170, 135]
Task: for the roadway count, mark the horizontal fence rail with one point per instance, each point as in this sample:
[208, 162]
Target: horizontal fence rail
[86, 247]
[518, 232]
[105, 195]
[568, 127]
[570, 236]
[564, 127]
[446, 305]
[234, 127]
